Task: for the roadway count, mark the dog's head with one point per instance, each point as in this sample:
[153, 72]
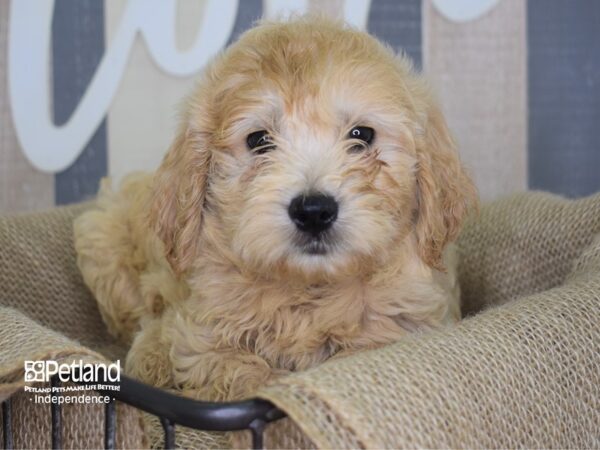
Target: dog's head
[310, 147]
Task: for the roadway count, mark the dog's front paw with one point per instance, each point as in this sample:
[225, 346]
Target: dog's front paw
[244, 383]
[216, 376]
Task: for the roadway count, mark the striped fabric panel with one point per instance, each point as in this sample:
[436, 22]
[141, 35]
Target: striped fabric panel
[478, 69]
[520, 87]
[22, 188]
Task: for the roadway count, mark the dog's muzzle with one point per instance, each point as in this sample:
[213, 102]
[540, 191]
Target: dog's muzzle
[314, 213]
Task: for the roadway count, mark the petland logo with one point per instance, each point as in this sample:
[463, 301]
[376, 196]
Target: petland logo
[72, 383]
[78, 372]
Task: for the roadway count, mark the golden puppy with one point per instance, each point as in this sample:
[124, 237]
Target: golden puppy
[302, 212]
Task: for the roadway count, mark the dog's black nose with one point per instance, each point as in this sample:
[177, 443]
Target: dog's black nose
[313, 213]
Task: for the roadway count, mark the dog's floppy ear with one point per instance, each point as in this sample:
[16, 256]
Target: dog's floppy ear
[445, 193]
[179, 190]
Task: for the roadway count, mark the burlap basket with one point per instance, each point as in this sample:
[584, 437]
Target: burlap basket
[523, 370]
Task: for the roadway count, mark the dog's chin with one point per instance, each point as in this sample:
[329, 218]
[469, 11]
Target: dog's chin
[309, 245]
[300, 257]
[314, 264]
[317, 257]
[315, 247]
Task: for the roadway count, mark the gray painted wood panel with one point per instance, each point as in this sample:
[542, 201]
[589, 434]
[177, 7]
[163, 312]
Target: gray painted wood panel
[249, 11]
[398, 24]
[564, 96]
[77, 48]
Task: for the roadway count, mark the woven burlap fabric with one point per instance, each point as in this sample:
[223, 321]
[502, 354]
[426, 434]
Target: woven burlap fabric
[39, 276]
[525, 373]
[46, 313]
[83, 425]
[521, 245]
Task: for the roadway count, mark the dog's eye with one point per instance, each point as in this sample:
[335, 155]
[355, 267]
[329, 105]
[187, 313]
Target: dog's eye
[260, 142]
[365, 134]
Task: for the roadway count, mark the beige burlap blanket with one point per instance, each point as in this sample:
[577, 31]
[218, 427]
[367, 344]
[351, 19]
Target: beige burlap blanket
[523, 370]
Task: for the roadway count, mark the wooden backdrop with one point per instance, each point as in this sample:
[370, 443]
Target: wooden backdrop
[519, 84]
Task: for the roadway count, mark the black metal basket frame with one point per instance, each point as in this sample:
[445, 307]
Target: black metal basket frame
[171, 409]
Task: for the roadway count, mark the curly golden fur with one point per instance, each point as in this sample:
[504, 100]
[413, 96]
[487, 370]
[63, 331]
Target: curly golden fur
[199, 265]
